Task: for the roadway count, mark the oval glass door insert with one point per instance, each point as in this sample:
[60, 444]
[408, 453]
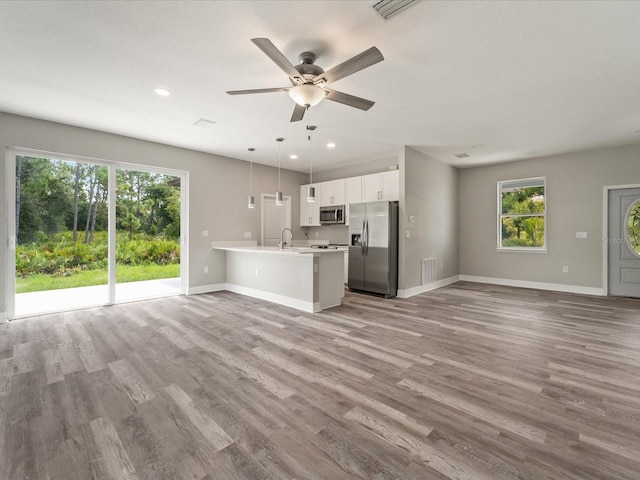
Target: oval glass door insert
[633, 228]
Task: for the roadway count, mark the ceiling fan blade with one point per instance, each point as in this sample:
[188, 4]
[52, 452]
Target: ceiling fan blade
[271, 51]
[259, 90]
[355, 64]
[298, 113]
[346, 99]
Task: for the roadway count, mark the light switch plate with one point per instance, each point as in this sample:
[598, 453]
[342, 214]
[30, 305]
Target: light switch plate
[407, 233]
[247, 234]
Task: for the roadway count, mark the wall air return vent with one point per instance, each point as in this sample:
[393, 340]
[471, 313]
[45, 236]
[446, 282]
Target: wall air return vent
[389, 8]
[428, 270]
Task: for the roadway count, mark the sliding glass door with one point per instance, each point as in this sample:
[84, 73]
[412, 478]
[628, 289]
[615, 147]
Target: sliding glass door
[147, 234]
[85, 233]
[61, 237]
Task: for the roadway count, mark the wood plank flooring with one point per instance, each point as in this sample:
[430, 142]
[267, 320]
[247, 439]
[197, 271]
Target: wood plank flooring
[467, 382]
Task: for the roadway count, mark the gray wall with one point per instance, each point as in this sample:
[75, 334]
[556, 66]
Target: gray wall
[574, 204]
[431, 196]
[218, 185]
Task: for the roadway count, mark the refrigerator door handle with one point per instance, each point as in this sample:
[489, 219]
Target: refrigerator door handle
[362, 239]
[366, 237]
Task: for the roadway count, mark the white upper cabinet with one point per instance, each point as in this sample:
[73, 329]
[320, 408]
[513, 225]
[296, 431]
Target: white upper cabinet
[310, 211]
[333, 193]
[345, 191]
[354, 194]
[390, 185]
[381, 186]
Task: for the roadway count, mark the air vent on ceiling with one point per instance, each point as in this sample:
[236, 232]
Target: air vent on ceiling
[388, 8]
[462, 155]
[204, 123]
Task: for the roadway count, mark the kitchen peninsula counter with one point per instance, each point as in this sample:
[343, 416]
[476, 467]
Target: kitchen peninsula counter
[309, 279]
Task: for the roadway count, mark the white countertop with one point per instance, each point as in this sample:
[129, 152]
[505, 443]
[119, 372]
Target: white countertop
[278, 250]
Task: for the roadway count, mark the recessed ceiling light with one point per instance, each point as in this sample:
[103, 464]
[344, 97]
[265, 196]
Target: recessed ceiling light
[162, 92]
[331, 145]
[293, 157]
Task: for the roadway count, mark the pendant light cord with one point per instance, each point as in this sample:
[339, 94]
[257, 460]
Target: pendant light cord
[279, 151]
[251, 150]
[310, 147]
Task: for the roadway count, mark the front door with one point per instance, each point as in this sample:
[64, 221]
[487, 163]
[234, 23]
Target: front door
[624, 242]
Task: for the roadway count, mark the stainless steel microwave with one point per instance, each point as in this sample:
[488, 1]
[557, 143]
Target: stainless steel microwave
[332, 215]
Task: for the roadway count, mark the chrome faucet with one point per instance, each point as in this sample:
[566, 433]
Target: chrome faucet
[282, 237]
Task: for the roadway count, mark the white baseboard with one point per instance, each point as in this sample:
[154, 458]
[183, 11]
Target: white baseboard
[3, 317]
[555, 287]
[275, 298]
[410, 292]
[216, 287]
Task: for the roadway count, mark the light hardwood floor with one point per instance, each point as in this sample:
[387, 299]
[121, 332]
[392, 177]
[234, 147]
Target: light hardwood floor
[466, 382]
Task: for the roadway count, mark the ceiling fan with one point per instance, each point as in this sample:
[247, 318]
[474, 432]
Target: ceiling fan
[309, 80]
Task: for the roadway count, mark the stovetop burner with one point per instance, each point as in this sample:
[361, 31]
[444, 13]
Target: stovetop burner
[326, 247]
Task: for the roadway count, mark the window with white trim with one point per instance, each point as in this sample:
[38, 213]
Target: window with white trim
[522, 214]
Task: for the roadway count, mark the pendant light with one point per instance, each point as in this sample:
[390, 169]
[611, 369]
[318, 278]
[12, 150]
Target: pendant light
[311, 191]
[279, 200]
[251, 200]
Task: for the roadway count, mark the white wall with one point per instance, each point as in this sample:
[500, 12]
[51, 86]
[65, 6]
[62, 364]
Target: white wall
[574, 204]
[218, 186]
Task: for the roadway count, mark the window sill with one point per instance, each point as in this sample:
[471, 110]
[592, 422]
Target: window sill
[522, 250]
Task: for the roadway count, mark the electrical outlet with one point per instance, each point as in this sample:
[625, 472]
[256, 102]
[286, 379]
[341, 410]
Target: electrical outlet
[257, 272]
[407, 233]
[565, 269]
[247, 234]
[206, 269]
[316, 234]
[581, 234]
[412, 219]
[205, 233]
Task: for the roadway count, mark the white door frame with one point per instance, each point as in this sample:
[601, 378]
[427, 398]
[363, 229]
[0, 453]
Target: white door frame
[287, 206]
[605, 232]
[10, 184]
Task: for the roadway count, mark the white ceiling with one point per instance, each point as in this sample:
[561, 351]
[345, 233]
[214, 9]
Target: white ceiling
[523, 79]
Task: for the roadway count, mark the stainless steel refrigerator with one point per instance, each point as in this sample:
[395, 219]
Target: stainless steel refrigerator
[373, 248]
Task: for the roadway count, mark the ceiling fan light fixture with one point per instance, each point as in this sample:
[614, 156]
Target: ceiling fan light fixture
[307, 95]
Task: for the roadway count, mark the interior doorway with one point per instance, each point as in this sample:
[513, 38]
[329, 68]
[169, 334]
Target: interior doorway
[274, 219]
[623, 242]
